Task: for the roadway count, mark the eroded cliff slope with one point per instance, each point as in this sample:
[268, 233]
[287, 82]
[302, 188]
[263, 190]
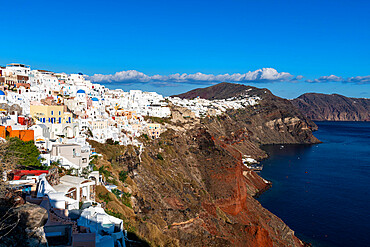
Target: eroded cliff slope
[333, 107]
[190, 187]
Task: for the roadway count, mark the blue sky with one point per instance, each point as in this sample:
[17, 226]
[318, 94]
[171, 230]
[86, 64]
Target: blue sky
[312, 39]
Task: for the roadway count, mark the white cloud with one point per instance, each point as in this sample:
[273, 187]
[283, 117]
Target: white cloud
[358, 79]
[296, 79]
[333, 78]
[330, 78]
[122, 76]
[260, 75]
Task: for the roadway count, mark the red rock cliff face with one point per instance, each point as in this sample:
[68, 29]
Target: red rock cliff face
[245, 222]
[201, 194]
[197, 192]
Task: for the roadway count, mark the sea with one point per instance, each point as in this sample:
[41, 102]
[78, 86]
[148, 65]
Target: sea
[322, 191]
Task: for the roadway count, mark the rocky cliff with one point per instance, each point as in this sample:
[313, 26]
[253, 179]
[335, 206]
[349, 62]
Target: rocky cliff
[334, 107]
[21, 223]
[190, 188]
[222, 90]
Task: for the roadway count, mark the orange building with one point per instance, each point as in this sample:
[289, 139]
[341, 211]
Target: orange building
[24, 135]
[2, 132]
[128, 114]
[23, 84]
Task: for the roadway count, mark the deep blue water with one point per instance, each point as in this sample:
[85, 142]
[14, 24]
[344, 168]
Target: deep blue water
[322, 191]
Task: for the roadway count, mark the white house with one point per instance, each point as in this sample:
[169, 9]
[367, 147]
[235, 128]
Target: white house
[76, 188]
[3, 97]
[108, 229]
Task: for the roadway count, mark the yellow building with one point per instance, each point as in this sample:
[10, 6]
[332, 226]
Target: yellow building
[99, 124]
[50, 114]
[154, 130]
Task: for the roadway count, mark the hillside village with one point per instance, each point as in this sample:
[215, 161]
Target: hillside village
[59, 113]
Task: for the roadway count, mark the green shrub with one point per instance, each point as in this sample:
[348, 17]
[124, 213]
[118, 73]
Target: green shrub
[104, 197]
[112, 181]
[54, 163]
[24, 153]
[123, 176]
[117, 193]
[93, 160]
[114, 214]
[159, 156]
[109, 141]
[106, 173]
[126, 199]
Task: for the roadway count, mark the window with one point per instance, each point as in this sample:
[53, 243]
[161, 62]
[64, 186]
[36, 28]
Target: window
[59, 113]
[52, 112]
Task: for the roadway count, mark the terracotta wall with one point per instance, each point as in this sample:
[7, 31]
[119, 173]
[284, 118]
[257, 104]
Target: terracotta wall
[24, 135]
[2, 132]
[25, 85]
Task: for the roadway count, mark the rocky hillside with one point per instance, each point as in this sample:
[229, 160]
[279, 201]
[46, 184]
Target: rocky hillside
[190, 188]
[334, 107]
[273, 121]
[222, 90]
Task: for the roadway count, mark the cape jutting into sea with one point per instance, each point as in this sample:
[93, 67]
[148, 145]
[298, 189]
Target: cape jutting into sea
[321, 191]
